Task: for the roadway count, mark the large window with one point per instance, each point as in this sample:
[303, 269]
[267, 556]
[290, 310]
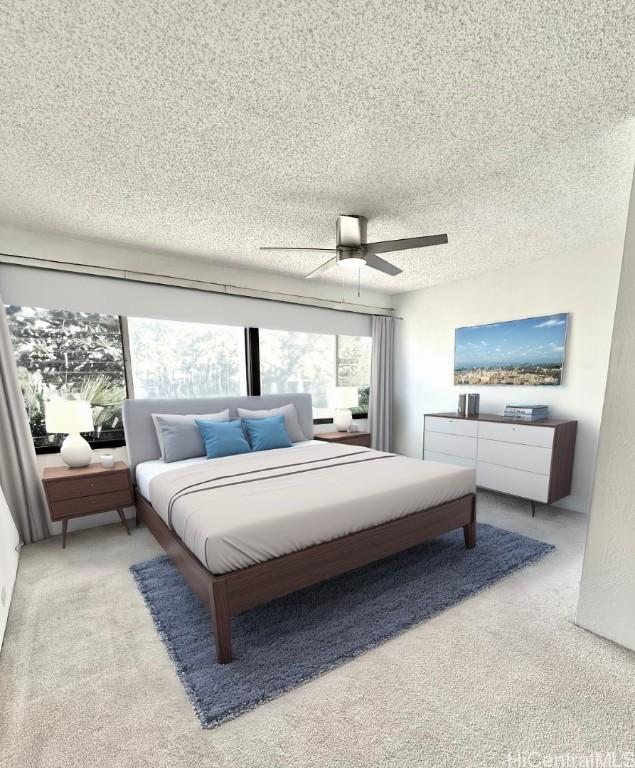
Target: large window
[91, 357]
[174, 359]
[69, 354]
[315, 363]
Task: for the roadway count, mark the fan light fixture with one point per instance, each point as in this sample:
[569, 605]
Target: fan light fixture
[352, 250]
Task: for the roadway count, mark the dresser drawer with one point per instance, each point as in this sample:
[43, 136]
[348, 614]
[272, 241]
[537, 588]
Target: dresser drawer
[531, 458]
[454, 445]
[529, 485]
[76, 487]
[86, 504]
[516, 433]
[451, 426]
[445, 458]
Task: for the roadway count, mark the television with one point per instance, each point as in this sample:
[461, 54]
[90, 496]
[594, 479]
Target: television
[515, 352]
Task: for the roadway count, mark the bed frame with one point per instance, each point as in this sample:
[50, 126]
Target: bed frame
[229, 594]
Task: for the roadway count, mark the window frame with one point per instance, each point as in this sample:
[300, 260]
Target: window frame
[252, 370]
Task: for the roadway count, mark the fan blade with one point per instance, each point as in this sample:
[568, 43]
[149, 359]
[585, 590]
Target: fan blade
[381, 264]
[273, 248]
[407, 242]
[322, 268]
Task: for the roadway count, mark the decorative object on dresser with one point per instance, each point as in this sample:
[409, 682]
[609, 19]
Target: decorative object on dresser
[70, 417]
[342, 399]
[79, 492]
[348, 438]
[532, 460]
[526, 412]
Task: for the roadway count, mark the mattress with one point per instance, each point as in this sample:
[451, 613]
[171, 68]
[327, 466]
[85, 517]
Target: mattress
[241, 510]
[147, 470]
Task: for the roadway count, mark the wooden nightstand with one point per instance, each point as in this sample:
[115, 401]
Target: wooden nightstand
[78, 492]
[348, 438]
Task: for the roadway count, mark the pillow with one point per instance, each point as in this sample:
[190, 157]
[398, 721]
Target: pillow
[223, 438]
[267, 434]
[291, 421]
[178, 435]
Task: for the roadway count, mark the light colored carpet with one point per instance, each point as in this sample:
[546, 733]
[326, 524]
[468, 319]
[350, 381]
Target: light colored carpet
[85, 681]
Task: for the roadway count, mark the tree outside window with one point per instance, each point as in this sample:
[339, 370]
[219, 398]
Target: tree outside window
[69, 354]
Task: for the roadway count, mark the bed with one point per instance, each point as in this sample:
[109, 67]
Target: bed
[246, 529]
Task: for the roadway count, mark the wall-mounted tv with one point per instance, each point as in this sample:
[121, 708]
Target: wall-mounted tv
[528, 351]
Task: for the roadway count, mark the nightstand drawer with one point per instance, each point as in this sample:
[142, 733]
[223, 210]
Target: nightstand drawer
[76, 487]
[84, 505]
[361, 440]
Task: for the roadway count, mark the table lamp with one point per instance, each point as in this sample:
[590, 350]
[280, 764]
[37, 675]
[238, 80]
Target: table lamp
[342, 399]
[70, 417]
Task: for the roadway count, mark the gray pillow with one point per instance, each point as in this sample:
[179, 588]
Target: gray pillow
[178, 435]
[291, 421]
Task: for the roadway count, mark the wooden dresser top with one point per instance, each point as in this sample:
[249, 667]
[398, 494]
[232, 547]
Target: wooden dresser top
[501, 419]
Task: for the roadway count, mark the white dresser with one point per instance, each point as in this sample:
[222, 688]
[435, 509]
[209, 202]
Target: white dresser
[534, 461]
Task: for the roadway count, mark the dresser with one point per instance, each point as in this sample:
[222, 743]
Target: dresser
[533, 461]
[87, 490]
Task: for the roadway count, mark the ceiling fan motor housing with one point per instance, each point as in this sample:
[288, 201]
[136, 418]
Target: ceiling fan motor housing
[350, 237]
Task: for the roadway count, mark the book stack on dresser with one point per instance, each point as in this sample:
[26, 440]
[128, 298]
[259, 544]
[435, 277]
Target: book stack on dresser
[526, 412]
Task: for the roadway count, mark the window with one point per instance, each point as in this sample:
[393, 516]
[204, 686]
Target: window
[174, 359]
[86, 355]
[353, 367]
[60, 353]
[315, 363]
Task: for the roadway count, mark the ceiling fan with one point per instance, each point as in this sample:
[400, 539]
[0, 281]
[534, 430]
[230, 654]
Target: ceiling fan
[352, 250]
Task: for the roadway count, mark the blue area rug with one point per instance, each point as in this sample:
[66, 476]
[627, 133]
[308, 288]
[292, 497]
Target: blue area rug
[296, 638]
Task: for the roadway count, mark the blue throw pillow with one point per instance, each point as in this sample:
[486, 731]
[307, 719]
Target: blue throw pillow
[222, 438]
[267, 434]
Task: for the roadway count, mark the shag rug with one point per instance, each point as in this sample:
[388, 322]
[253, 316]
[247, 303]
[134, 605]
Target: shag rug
[294, 639]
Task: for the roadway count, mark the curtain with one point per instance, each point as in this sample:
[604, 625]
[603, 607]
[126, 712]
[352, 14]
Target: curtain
[381, 382]
[19, 473]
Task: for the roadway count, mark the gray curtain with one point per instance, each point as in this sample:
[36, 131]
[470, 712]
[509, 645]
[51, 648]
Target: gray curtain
[19, 474]
[381, 383]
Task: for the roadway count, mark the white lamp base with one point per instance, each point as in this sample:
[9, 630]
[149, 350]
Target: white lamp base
[342, 419]
[75, 451]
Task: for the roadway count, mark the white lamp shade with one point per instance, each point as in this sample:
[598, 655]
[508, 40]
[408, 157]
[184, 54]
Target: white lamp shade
[69, 416]
[344, 397]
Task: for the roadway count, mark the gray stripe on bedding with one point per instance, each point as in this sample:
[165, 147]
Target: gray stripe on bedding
[282, 474]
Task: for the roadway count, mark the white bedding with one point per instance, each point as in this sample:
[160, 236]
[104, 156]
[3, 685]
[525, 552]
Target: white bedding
[148, 470]
[241, 510]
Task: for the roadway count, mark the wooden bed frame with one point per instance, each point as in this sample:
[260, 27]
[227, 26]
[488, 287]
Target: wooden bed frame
[232, 593]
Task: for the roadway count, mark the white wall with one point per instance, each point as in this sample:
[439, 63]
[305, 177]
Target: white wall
[586, 287]
[607, 589]
[9, 554]
[96, 256]
[88, 293]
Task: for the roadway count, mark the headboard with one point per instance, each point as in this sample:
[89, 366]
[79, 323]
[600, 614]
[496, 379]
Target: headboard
[141, 438]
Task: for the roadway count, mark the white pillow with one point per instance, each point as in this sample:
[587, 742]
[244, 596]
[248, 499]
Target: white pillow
[291, 421]
[179, 437]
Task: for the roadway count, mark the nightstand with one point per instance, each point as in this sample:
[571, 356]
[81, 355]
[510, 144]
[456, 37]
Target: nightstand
[87, 490]
[347, 438]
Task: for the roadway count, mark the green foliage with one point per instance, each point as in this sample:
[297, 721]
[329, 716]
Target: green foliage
[68, 354]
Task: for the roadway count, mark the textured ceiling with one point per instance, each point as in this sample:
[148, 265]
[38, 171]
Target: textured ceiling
[210, 128]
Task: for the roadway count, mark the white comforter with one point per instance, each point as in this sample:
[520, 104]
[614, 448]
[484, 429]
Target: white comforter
[241, 510]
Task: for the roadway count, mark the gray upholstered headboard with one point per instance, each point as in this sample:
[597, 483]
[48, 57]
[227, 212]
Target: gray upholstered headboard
[141, 438]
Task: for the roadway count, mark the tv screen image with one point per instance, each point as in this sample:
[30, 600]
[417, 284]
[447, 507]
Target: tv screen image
[528, 351]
